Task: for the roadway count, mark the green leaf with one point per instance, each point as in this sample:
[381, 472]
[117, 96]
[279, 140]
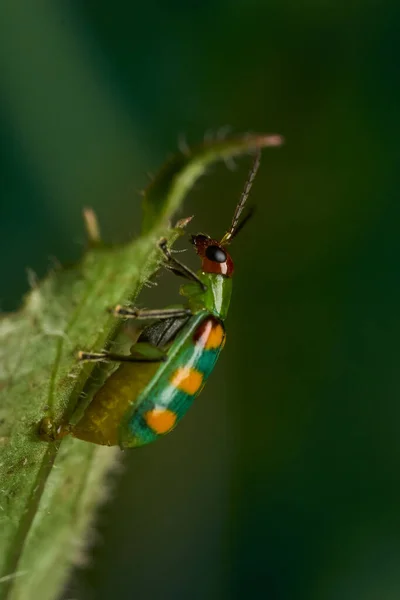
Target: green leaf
[49, 491]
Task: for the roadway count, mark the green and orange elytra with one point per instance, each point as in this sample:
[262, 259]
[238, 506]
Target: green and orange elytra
[152, 389]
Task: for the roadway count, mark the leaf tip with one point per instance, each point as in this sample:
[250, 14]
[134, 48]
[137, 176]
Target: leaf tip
[270, 140]
[181, 224]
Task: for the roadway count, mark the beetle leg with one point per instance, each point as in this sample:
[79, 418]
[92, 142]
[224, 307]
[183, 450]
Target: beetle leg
[136, 313]
[177, 267]
[111, 357]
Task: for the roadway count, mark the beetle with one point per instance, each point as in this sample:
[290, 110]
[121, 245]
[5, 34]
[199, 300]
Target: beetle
[154, 386]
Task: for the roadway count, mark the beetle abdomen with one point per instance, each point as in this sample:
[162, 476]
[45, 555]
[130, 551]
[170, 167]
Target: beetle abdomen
[176, 384]
[101, 420]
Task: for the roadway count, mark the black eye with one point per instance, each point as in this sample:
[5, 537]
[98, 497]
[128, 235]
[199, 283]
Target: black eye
[216, 254]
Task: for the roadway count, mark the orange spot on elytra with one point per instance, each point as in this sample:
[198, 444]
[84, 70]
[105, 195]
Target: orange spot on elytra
[215, 338]
[187, 380]
[160, 419]
[210, 334]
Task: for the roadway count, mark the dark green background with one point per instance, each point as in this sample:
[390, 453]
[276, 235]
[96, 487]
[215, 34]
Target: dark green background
[283, 482]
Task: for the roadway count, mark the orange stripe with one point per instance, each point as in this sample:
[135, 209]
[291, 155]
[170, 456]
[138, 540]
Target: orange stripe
[187, 380]
[160, 419]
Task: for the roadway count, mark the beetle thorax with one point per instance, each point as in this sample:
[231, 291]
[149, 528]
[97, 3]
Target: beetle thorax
[218, 295]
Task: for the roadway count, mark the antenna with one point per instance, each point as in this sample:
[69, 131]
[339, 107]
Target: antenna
[235, 225]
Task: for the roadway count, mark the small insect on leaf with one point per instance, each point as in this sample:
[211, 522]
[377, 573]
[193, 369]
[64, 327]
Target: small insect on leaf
[49, 489]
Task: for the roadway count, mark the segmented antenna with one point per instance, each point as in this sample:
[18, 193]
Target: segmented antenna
[235, 225]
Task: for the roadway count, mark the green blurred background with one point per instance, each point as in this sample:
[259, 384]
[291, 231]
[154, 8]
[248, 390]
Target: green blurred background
[283, 482]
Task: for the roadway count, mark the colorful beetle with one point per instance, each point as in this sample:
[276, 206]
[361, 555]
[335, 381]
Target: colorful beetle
[153, 387]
